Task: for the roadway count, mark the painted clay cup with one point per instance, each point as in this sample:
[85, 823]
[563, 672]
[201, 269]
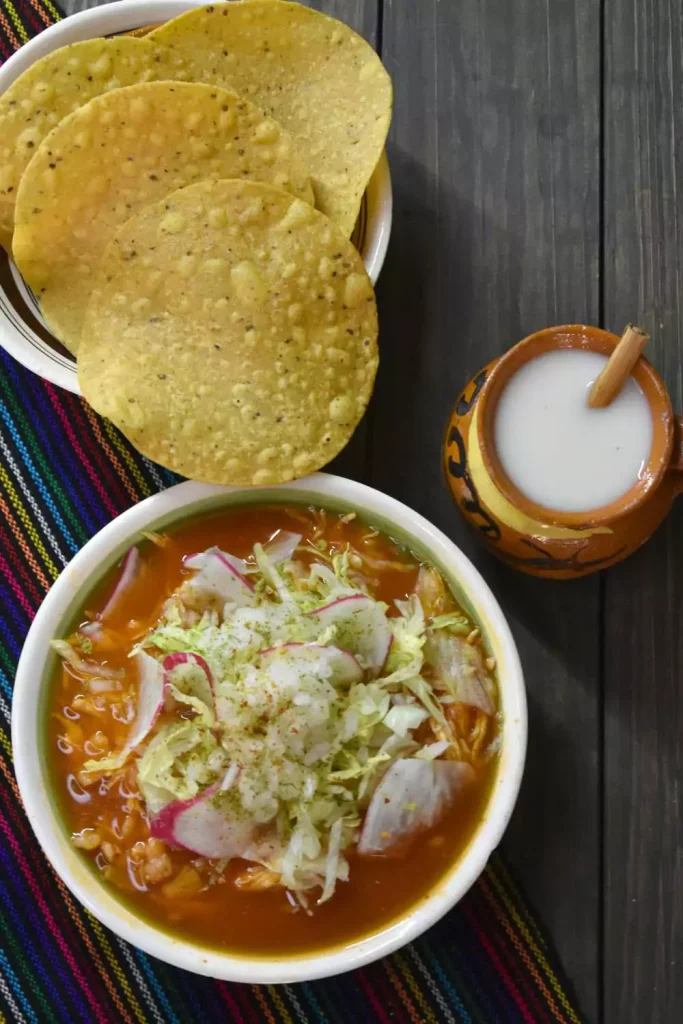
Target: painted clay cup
[543, 541]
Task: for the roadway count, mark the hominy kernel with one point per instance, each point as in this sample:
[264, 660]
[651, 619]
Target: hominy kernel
[154, 847]
[100, 740]
[187, 881]
[86, 705]
[137, 852]
[88, 839]
[110, 851]
[128, 826]
[157, 869]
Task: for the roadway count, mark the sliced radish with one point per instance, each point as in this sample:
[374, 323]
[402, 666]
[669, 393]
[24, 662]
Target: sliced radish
[151, 693]
[130, 567]
[459, 665]
[282, 546]
[362, 628]
[199, 559]
[411, 797]
[178, 658]
[203, 826]
[431, 590]
[340, 666]
[220, 577]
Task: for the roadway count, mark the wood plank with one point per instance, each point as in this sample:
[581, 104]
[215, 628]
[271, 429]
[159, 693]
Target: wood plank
[495, 165]
[643, 281]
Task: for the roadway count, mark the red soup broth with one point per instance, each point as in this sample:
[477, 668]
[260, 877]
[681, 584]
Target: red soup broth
[82, 726]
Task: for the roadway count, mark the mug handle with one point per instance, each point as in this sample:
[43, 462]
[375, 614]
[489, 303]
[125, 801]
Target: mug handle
[676, 464]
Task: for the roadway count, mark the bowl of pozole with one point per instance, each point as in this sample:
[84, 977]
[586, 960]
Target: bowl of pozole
[269, 734]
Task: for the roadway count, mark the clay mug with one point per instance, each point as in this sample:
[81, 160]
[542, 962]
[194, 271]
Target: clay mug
[543, 541]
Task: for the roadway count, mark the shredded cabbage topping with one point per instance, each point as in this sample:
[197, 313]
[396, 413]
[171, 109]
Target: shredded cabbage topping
[316, 690]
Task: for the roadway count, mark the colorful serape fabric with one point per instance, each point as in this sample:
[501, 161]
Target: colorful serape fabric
[65, 473]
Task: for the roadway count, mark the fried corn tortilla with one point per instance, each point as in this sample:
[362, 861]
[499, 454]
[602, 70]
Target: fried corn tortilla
[232, 334]
[58, 84]
[118, 153]
[315, 75]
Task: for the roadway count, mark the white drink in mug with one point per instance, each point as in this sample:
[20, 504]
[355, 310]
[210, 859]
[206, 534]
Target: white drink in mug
[557, 451]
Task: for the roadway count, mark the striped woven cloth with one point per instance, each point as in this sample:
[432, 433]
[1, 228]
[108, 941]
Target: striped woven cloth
[65, 473]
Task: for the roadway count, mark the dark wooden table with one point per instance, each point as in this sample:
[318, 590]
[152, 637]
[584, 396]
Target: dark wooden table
[536, 161]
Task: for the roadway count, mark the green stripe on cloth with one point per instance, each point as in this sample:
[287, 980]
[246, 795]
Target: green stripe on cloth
[65, 473]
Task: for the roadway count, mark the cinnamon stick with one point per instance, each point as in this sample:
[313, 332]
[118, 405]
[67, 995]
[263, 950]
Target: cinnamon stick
[619, 367]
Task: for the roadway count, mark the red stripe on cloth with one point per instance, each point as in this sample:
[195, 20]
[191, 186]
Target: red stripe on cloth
[372, 999]
[8, 547]
[109, 452]
[242, 993]
[16, 587]
[225, 992]
[109, 505]
[118, 490]
[23, 544]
